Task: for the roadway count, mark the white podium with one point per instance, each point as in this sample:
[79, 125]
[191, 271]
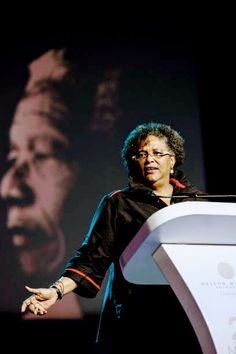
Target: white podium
[192, 247]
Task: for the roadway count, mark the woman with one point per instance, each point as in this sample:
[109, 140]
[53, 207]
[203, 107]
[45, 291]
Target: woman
[133, 316]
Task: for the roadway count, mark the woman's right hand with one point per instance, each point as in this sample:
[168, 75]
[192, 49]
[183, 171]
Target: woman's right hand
[40, 300]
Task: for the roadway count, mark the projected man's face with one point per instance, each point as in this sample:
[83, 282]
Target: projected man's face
[37, 184]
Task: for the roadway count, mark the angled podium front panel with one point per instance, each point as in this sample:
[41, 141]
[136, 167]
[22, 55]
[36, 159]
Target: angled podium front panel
[192, 247]
[183, 223]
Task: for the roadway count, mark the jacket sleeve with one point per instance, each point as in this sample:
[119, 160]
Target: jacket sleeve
[91, 261]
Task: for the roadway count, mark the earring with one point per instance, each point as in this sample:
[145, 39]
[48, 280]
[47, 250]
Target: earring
[171, 170]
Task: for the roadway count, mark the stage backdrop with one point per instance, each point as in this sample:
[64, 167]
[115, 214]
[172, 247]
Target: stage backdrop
[121, 81]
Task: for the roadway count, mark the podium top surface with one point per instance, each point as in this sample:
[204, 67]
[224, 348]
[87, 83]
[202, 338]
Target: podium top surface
[194, 222]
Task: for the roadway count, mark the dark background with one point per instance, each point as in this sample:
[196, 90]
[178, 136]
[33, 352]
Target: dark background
[216, 88]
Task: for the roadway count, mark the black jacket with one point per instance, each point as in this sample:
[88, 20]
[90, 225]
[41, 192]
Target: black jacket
[127, 307]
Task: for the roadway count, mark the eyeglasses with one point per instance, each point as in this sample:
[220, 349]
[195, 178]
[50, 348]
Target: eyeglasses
[142, 155]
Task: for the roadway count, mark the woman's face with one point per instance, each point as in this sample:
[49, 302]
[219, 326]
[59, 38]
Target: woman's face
[155, 161]
[36, 185]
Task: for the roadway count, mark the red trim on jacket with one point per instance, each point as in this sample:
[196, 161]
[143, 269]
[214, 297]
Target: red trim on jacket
[85, 276]
[177, 183]
[115, 192]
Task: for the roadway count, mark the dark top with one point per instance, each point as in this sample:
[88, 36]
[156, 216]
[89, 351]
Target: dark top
[132, 314]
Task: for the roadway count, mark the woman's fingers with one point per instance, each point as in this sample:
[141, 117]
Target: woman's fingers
[34, 306]
[23, 307]
[37, 309]
[32, 290]
[40, 293]
[33, 303]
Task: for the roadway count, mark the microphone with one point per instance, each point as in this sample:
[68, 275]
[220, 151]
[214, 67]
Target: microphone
[199, 196]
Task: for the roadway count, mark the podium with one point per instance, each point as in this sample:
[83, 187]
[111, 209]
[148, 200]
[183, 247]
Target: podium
[192, 247]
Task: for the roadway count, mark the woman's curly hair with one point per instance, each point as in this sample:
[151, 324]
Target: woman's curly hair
[173, 139]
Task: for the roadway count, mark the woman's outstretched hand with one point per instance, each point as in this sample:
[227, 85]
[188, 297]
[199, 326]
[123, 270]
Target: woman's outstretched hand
[40, 300]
